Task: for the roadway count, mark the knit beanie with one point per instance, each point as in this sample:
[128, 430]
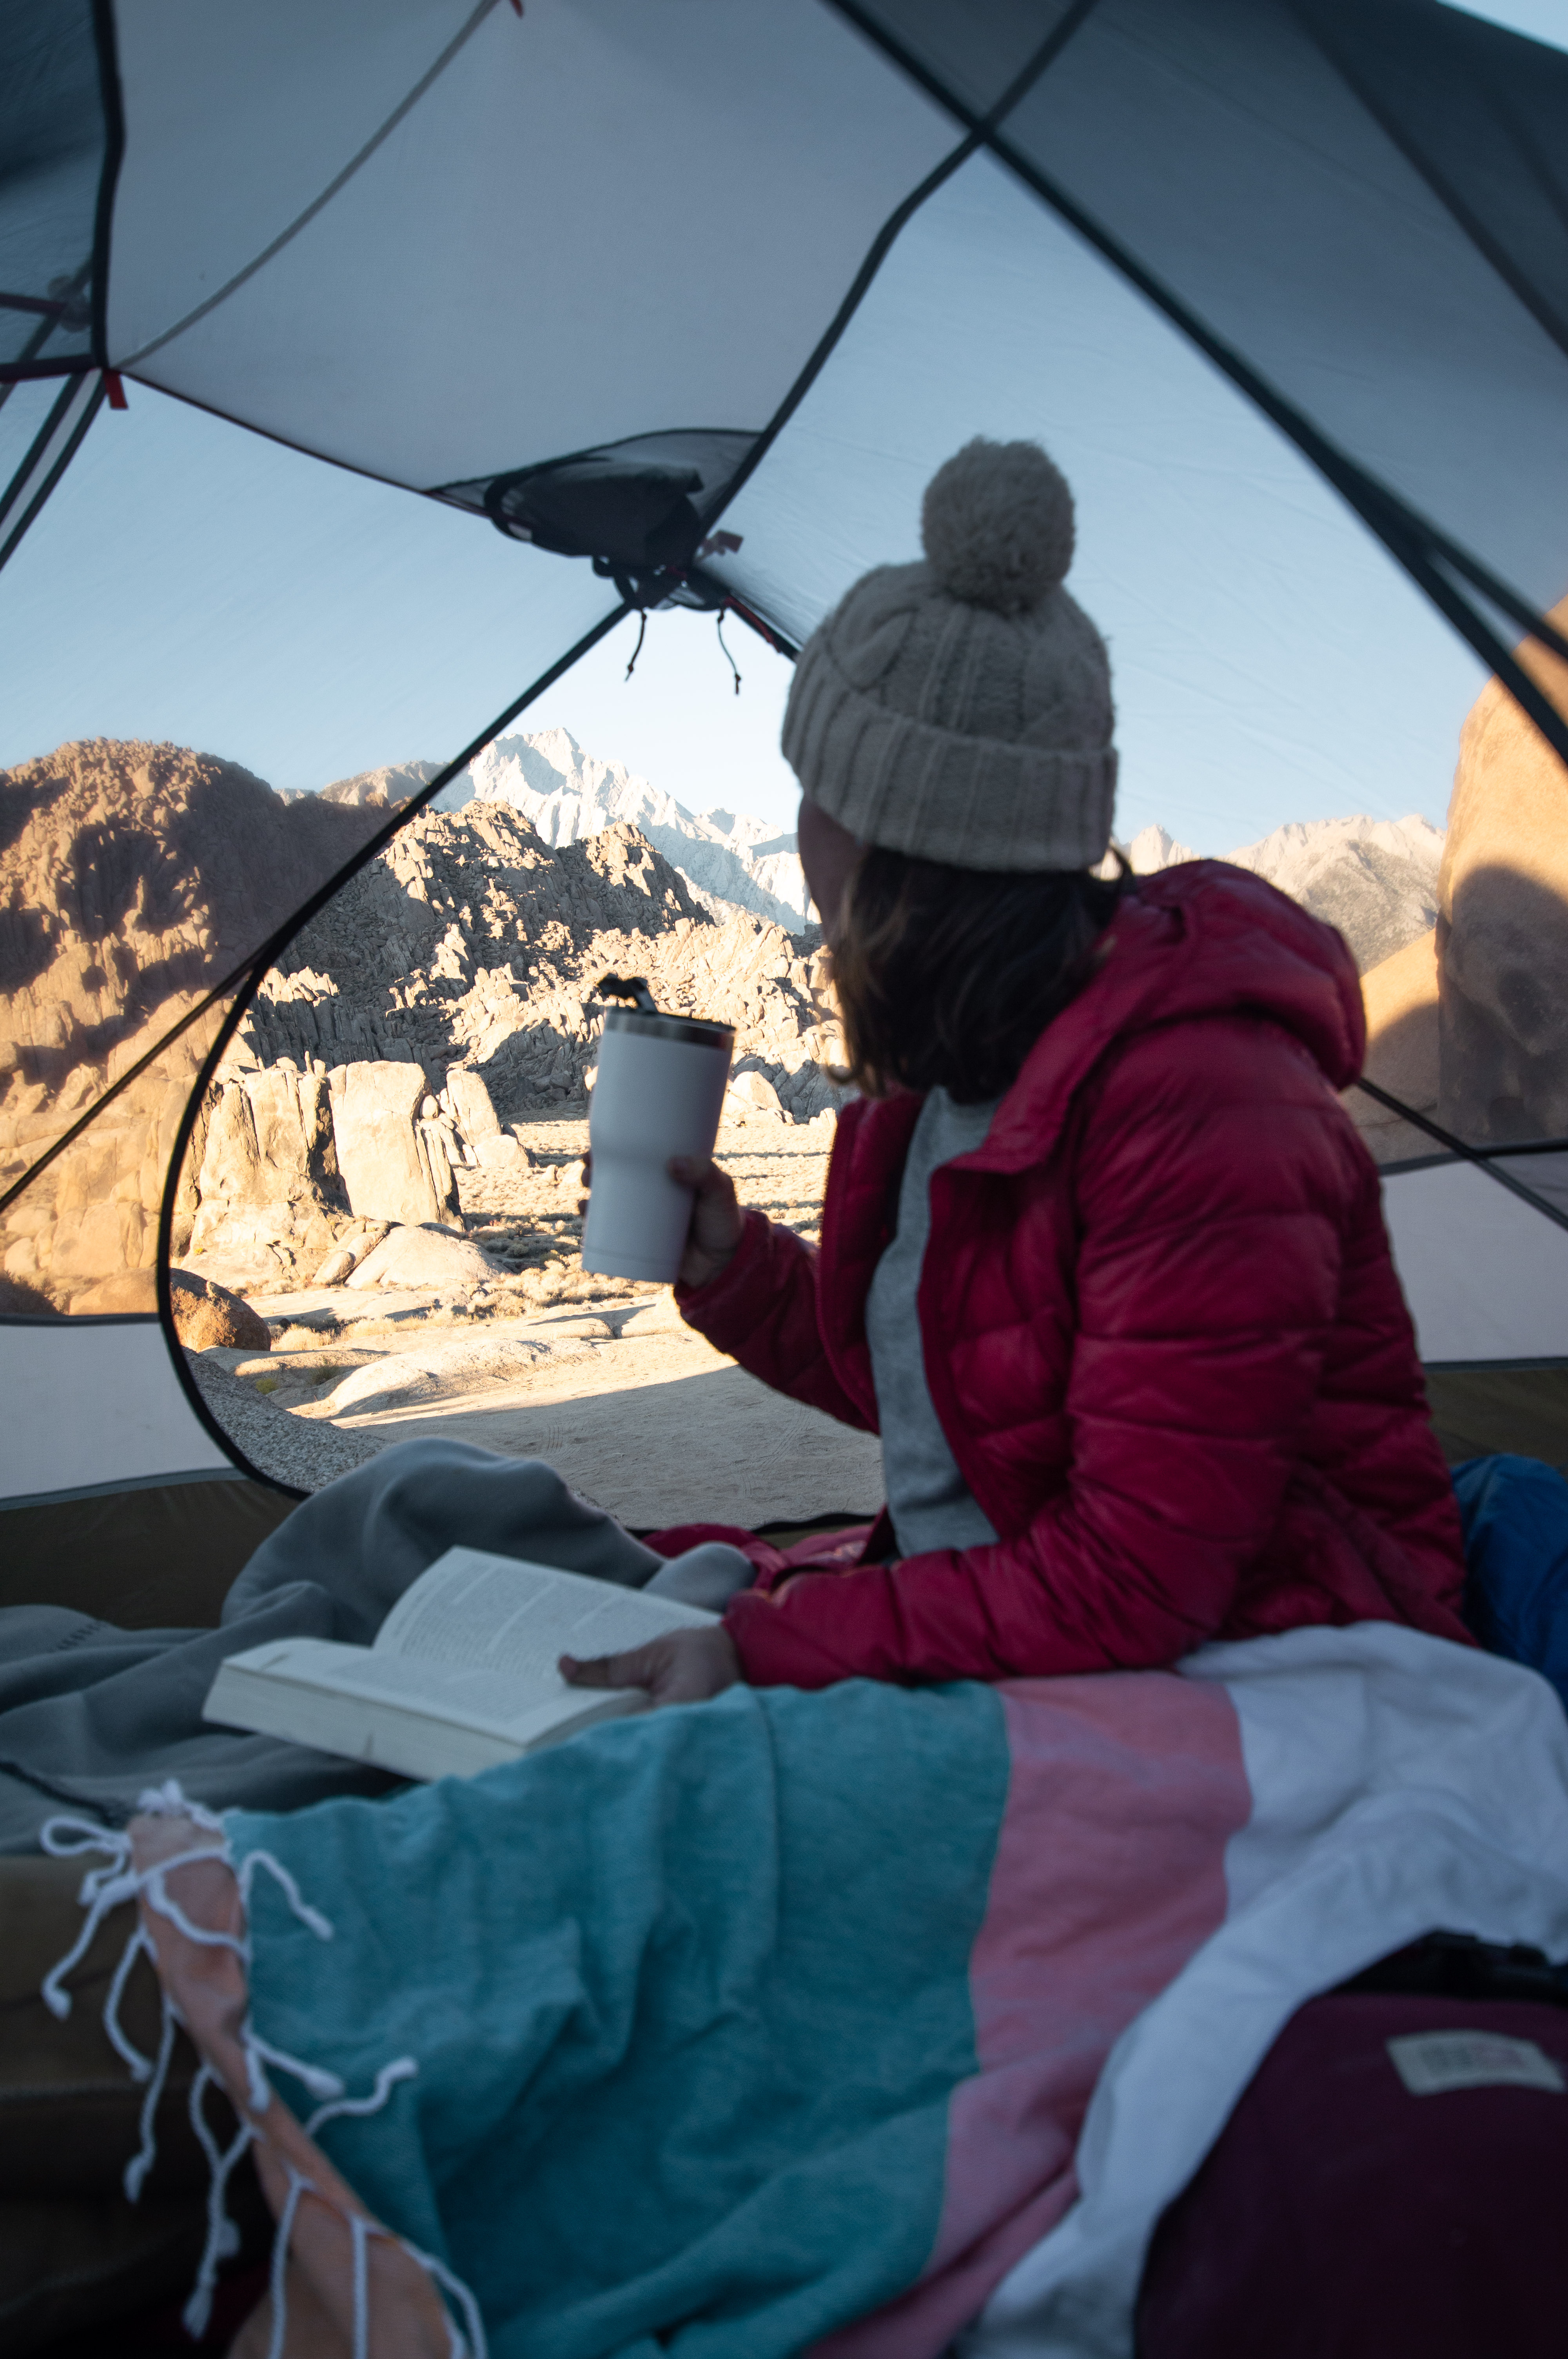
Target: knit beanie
[959, 710]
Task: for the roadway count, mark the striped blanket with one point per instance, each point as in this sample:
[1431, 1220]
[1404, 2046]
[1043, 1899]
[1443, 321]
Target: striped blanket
[772, 2024]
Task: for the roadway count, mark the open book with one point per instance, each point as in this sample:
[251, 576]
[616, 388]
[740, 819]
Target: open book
[462, 1673]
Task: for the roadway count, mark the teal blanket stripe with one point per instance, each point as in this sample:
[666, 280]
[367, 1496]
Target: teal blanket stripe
[689, 1997]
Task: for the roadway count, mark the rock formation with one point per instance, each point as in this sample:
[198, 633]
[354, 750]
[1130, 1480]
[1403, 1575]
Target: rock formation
[440, 999]
[1469, 1022]
[470, 944]
[384, 789]
[1153, 848]
[206, 1316]
[1374, 879]
[131, 878]
[1502, 935]
[1400, 1000]
[425, 1257]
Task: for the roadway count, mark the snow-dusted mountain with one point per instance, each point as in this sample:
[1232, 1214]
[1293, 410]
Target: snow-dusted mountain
[1376, 879]
[567, 794]
[1153, 849]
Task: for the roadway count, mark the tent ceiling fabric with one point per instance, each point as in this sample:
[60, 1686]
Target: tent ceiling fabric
[605, 221]
[447, 243]
[53, 143]
[1363, 201]
[1485, 1278]
[601, 221]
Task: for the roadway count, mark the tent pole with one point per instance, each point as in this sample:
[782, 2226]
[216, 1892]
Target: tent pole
[1456, 1147]
[249, 981]
[285, 934]
[1406, 535]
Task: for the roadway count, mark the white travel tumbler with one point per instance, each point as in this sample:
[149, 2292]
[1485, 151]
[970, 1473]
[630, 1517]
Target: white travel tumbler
[659, 1091]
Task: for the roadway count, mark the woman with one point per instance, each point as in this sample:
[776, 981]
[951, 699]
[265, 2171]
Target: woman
[727, 2029]
[1102, 1254]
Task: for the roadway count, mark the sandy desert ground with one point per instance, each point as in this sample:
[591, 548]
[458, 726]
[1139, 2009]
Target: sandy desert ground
[601, 1378]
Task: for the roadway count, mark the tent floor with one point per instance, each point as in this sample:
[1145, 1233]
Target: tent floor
[166, 1555]
[163, 1557]
[1479, 1410]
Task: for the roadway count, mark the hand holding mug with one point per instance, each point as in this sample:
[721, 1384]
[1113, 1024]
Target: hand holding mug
[717, 1222]
[654, 1117]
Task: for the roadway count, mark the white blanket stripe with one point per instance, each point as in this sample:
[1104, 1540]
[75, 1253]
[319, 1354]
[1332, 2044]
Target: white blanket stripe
[1400, 1783]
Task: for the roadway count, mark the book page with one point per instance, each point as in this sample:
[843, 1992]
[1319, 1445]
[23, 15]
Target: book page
[496, 1701]
[426, 1720]
[476, 1613]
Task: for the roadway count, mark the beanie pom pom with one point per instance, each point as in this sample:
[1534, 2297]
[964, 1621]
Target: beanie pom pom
[997, 525]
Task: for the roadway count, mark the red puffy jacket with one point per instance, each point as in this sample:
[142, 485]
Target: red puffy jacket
[1161, 1328]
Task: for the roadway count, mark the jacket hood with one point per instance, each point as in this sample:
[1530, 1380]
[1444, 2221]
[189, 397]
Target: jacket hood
[1200, 940]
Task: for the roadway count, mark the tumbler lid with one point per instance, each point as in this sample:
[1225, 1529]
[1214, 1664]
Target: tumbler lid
[695, 1030]
[645, 1015]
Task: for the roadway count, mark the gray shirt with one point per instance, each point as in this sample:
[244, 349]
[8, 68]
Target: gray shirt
[930, 1505]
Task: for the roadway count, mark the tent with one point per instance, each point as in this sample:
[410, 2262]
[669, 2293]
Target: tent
[685, 301]
[670, 307]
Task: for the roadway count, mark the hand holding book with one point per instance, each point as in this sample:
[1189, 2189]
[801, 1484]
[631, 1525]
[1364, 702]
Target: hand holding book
[467, 1670]
[681, 1667]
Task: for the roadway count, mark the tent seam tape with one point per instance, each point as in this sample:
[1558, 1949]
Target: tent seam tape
[37, 447]
[112, 96]
[11, 541]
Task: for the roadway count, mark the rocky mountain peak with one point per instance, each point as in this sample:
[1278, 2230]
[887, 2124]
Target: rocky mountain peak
[130, 875]
[567, 794]
[1374, 879]
[472, 939]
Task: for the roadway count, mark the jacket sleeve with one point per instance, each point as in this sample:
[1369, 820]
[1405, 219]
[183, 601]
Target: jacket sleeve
[1211, 1184]
[762, 1310]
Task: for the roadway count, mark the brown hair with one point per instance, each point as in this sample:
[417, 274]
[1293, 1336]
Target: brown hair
[948, 976]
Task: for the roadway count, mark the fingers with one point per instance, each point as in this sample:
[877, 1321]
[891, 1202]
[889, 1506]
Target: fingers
[635, 1668]
[717, 1222]
[701, 1172]
[682, 1666]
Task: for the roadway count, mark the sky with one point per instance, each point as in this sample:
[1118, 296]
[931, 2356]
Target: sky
[1542, 20]
[193, 582]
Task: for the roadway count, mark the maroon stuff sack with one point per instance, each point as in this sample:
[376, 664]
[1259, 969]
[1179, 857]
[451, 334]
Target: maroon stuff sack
[1393, 2180]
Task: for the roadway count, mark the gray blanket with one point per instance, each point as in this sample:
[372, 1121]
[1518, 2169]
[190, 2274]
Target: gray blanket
[90, 1715]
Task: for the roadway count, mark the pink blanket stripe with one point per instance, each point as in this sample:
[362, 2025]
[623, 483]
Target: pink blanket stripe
[1124, 1792]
